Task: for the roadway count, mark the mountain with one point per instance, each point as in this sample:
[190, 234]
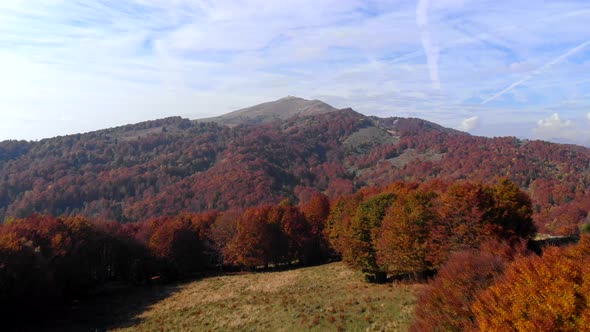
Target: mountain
[570, 141]
[281, 109]
[169, 165]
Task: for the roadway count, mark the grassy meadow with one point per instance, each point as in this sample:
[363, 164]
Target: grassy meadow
[330, 297]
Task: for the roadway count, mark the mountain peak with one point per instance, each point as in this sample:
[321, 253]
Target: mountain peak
[291, 98]
[281, 109]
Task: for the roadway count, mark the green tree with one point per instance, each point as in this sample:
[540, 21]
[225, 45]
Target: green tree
[365, 228]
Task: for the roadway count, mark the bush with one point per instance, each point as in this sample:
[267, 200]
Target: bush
[446, 302]
[540, 293]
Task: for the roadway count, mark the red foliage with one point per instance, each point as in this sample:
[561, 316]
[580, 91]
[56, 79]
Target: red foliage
[460, 222]
[446, 303]
[183, 242]
[43, 258]
[258, 240]
[142, 171]
[316, 212]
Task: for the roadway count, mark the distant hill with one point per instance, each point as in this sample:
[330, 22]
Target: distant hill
[281, 109]
[289, 148]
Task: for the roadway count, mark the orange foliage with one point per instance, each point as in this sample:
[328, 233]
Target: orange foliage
[445, 304]
[258, 240]
[410, 229]
[401, 241]
[540, 293]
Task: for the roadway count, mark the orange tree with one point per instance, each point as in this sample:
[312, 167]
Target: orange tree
[540, 293]
[401, 241]
[446, 302]
[268, 234]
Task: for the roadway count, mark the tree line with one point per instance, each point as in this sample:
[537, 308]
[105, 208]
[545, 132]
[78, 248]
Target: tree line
[473, 237]
[46, 259]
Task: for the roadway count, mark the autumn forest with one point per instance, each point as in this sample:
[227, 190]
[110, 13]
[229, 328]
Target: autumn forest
[398, 199]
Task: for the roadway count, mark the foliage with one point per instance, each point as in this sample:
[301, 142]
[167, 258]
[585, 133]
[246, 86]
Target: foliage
[339, 226]
[183, 242]
[460, 222]
[401, 242]
[367, 219]
[159, 168]
[270, 235]
[44, 259]
[316, 211]
[511, 214]
[544, 293]
[446, 302]
[406, 229]
[503, 287]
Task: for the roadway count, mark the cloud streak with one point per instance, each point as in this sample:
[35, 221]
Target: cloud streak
[96, 64]
[430, 45]
[538, 71]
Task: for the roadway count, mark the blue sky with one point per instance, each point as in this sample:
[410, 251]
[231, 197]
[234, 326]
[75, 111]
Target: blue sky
[494, 68]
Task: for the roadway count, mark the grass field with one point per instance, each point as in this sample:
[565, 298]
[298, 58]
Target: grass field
[321, 298]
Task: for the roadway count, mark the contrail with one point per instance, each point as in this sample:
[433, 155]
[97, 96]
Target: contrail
[430, 46]
[538, 71]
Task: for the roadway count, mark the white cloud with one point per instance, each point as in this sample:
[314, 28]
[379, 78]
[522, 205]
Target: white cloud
[469, 124]
[556, 129]
[554, 123]
[588, 116]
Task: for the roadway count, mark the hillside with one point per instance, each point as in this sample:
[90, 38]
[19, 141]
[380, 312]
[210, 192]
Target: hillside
[165, 166]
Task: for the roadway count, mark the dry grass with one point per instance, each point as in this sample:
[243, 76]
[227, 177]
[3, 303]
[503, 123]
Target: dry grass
[329, 297]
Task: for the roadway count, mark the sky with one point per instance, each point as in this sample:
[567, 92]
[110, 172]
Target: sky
[494, 68]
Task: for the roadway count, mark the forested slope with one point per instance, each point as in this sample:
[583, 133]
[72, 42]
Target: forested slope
[170, 165]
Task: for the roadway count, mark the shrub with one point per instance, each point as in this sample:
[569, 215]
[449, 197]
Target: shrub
[540, 293]
[445, 303]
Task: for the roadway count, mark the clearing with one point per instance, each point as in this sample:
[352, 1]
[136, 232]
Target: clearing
[329, 297]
